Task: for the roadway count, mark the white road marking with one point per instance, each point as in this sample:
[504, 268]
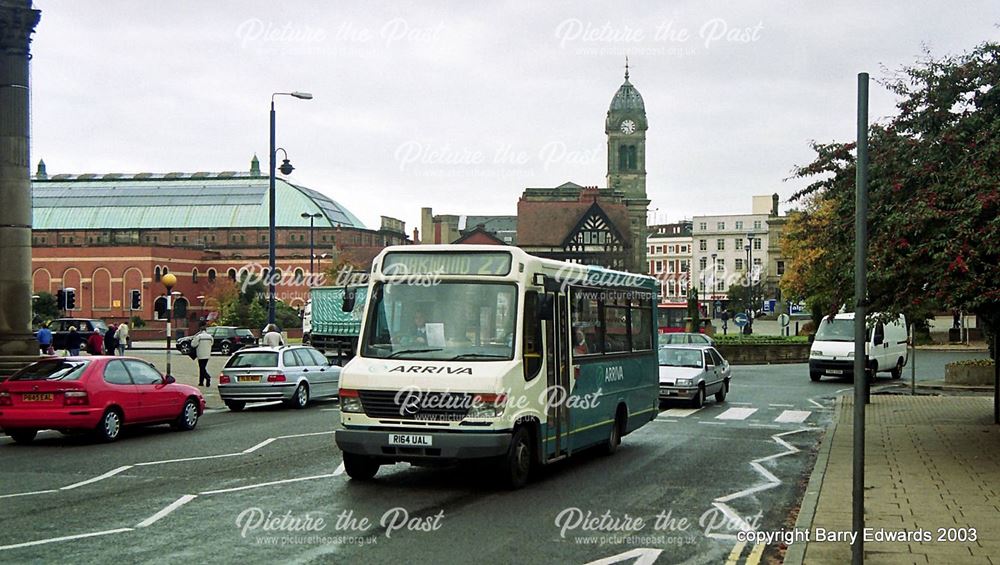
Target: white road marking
[63, 538]
[281, 482]
[768, 426]
[770, 482]
[167, 510]
[781, 405]
[110, 473]
[259, 445]
[340, 470]
[637, 556]
[199, 458]
[712, 423]
[816, 404]
[329, 409]
[680, 412]
[736, 414]
[666, 420]
[306, 435]
[793, 416]
[32, 493]
[740, 403]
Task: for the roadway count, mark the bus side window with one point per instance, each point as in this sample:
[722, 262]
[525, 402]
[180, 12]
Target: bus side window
[532, 336]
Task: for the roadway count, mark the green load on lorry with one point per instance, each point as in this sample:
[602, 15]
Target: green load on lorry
[333, 331]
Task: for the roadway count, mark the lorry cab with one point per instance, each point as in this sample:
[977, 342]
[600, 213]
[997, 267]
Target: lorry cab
[832, 351]
[306, 322]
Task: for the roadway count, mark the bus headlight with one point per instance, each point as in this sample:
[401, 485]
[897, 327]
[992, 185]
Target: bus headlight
[350, 402]
[683, 382]
[487, 406]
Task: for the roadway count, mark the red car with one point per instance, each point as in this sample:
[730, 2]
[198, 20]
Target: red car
[98, 393]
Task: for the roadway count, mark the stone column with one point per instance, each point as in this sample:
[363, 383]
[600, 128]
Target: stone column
[17, 22]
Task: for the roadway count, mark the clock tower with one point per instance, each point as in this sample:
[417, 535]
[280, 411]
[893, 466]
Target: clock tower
[626, 129]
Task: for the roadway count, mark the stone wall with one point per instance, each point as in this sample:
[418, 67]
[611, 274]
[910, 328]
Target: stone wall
[765, 354]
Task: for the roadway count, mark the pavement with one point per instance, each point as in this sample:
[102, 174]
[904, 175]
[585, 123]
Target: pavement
[932, 473]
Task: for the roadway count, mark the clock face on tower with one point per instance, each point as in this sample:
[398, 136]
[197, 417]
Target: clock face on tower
[628, 127]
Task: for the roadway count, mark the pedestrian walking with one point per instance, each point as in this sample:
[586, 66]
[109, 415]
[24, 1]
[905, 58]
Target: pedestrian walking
[73, 341]
[202, 344]
[95, 343]
[110, 343]
[121, 334]
[45, 339]
[272, 338]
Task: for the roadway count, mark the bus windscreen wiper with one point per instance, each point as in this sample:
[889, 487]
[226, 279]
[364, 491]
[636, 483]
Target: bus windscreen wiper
[402, 351]
[483, 355]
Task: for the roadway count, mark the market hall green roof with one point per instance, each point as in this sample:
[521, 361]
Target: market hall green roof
[176, 201]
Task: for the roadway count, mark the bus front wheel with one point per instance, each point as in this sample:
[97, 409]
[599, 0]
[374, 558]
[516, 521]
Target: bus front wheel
[360, 467]
[518, 462]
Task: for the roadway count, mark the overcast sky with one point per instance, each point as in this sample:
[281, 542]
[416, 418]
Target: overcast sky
[459, 105]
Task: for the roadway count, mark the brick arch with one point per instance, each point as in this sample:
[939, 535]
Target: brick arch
[100, 282]
[72, 278]
[41, 280]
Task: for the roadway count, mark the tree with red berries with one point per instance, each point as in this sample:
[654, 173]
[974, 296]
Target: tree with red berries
[934, 190]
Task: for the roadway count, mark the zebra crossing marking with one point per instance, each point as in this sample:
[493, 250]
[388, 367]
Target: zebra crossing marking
[793, 416]
[736, 414]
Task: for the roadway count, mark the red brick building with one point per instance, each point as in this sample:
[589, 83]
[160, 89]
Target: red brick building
[109, 235]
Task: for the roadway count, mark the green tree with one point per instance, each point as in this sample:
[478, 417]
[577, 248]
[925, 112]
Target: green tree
[934, 193]
[44, 308]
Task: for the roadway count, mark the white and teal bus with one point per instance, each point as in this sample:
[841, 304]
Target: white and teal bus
[487, 352]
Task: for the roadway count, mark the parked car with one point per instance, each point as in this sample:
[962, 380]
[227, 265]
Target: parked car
[99, 394]
[692, 372]
[226, 339]
[293, 374]
[832, 350]
[86, 326]
[679, 338]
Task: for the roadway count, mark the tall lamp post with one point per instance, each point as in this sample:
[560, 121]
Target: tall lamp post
[749, 248]
[286, 168]
[169, 280]
[711, 295]
[312, 253]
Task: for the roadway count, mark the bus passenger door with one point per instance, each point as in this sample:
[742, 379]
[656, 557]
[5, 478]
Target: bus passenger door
[557, 376]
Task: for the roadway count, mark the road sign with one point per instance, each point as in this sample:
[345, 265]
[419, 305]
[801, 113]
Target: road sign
[740, 319]
[783, 319]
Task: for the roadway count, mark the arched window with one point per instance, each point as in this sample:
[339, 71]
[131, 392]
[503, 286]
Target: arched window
[300, 276]
[194, 275]
[211, 275]
[157, 274]
[277, 275]
[231, 274]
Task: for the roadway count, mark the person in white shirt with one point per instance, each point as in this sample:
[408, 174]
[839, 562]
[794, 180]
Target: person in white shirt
[272, 338]
[121, 334]
[202, 344]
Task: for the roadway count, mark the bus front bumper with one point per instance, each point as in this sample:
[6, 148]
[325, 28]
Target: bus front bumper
[421, 446]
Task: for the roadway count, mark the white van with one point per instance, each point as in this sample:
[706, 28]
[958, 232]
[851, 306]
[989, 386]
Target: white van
[307, 322]
[832, 351]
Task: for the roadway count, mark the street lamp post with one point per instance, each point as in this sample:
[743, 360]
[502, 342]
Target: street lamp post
[169, 280]
[749, 248]
[286, 168]
[711, 295]
[312, 219]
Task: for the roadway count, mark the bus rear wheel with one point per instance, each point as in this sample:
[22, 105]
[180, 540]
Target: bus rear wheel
[617, 431]
[517, 464]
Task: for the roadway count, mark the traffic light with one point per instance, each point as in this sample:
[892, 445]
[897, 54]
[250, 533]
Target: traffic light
[70, 299]
[137, 300]
[61, 299]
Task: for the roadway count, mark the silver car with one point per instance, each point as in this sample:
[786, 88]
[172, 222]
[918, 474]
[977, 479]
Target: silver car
[293, 374]
[692, 372]
[682, 338]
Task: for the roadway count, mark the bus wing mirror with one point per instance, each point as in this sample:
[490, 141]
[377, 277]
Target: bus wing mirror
[349, 298]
